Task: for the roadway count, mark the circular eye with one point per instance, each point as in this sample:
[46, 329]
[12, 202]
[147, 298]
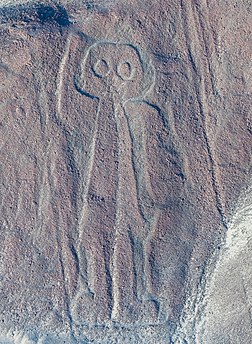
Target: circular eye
[125, 71]
[101, 68]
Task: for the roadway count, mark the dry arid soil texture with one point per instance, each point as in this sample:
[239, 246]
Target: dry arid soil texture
[125, 172]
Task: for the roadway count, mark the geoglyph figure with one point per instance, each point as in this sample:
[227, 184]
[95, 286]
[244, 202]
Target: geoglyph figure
[115, 242]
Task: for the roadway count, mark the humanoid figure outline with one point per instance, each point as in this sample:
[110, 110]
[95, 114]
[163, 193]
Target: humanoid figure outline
[116, 75]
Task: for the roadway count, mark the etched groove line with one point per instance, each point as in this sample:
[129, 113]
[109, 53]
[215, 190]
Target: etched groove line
[58, 216]
[115, 252]
[194, 307]
[43, 120]
[60, 85]
[60, 77]
[203, 111]
[134, 164]
[204, 32]
[214, 173]
[57, 212]
[139, 177]
[89, 172]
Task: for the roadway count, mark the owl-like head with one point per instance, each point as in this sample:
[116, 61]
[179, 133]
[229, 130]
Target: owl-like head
[112, 68]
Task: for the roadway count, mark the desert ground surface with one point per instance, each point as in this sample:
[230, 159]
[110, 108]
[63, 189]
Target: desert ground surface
[125, 172]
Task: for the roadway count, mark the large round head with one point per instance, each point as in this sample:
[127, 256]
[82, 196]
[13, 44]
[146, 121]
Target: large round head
[115, 69]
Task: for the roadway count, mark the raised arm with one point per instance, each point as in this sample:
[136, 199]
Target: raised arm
[157, 163]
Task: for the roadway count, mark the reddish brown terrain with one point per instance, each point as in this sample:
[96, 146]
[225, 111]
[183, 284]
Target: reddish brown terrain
[125, 143]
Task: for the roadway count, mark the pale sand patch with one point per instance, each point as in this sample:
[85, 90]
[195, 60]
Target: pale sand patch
[15, 337]
[220, 310]
[228, 299]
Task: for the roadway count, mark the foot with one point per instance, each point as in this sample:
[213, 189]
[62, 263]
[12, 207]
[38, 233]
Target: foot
[83, 308]
[144, 312]
[87, 309]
